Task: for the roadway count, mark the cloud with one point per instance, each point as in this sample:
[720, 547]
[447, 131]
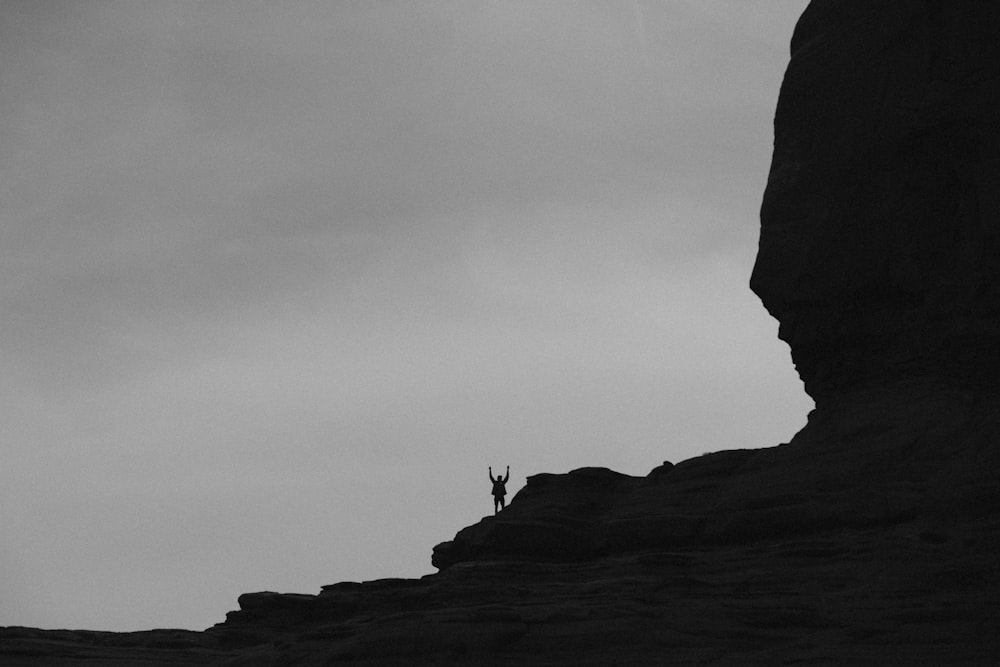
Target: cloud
[197, 166]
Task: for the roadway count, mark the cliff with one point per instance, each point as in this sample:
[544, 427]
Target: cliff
[870, 537]
[879, 242]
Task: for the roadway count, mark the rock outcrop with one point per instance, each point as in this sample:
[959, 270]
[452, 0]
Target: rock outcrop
[730, 557]
[880, 228]
[871, 537]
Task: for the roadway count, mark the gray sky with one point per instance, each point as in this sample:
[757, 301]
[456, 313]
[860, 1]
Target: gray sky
[280, 279]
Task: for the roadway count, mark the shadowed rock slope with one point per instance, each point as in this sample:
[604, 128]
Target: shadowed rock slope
[749, 556]
[871, 537]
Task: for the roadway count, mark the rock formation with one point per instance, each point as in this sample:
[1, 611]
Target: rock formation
[870, 537]
[880, 228]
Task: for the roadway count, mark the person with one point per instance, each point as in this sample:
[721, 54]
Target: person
[499, 489]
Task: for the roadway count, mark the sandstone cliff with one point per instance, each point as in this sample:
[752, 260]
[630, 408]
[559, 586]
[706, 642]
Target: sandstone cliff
[879, 247]
[870, 537]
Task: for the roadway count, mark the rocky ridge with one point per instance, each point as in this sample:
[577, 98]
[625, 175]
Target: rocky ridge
[870, 537]
[887, 553]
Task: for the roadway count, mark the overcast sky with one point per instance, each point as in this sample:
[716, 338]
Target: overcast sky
[279, 280]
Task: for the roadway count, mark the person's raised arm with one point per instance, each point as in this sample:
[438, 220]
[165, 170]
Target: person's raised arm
[491, 474]
[505, 479]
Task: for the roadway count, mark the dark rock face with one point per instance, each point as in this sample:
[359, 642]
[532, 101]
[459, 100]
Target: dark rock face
[872, 537]
[556, 519]
[880, 237]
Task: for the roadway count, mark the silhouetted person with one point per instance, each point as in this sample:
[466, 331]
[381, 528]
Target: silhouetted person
[499, 489]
